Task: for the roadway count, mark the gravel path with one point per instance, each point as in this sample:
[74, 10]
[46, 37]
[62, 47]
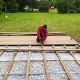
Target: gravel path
[77, 55]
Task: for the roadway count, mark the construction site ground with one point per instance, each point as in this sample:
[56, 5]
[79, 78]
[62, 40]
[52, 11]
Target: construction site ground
[22, 58]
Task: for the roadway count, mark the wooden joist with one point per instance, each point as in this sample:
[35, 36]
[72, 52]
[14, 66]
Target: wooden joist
[1, 53]
[9, 67]
[28, 66]
[38, 49]
[64, 67]
[46, 67]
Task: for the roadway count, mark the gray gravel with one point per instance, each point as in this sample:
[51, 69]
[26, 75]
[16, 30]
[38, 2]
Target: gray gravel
[47, 47]
[23, 47]
[65, 56]
[6, 56]
[55, 67]
[37, 77]
[77, 55]
[72, 66]
[17, 77]
[58, 77]
[70, 47]
[51, 56]
[18, 68]
[76, 76]
[36, 56]
[21, 56]
[3, 67]
[2, 46]
[59, 47]
[1, 77]
[36, 68]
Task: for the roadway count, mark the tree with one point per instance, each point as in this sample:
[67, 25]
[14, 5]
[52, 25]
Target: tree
[32, 4]
[11, 5]
[43, 6]
[1, 5]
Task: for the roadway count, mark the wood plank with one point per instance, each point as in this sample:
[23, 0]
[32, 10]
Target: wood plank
[46, 67]
[1, 53]
[28, 66]
[38, 49]
[64, 67]
[9, 67]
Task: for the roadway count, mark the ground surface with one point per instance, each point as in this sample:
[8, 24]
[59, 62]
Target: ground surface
[28, 22]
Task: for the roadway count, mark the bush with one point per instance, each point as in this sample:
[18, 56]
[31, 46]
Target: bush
[78, 10]
[43, 6]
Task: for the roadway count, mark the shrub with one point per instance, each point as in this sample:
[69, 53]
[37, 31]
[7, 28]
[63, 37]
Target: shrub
[78, 10]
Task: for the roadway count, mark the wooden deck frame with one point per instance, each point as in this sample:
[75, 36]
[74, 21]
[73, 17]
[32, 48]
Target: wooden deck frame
[71, 53]
[1, 53]
[64, 67]
[9, 67]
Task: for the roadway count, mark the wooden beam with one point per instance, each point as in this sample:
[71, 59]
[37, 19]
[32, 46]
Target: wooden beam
[39, 49]
[1, 53]
[64, 67]
[9, 67]
[28, 66]
[46, 67]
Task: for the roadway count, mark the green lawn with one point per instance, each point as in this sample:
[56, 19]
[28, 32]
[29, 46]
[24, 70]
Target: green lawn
[28, 22]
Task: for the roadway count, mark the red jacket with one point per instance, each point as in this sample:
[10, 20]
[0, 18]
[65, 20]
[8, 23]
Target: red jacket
[41, 32]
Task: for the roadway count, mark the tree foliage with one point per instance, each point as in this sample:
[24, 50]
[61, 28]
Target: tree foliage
[1, 5]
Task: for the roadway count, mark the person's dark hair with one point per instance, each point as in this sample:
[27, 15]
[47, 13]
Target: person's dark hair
[45, 26]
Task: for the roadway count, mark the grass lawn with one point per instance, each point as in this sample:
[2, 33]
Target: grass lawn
[28, 22]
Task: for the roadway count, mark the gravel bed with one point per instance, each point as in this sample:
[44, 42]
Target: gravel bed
[72, 66]
[3, 67]
[55, 67]
[2, 46]
[51, 56]
[70, 47]
[58, 77]
[36, 56]
[47, 47]
[76, 76]
[6, 56]
[65, 56]
[77, 55]
[17, 77]
[21, 56]
[37, 67]
[23, 47]
[18, 68]
[59, 47]
[1, 77]
[37, 77]
[35, 47]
